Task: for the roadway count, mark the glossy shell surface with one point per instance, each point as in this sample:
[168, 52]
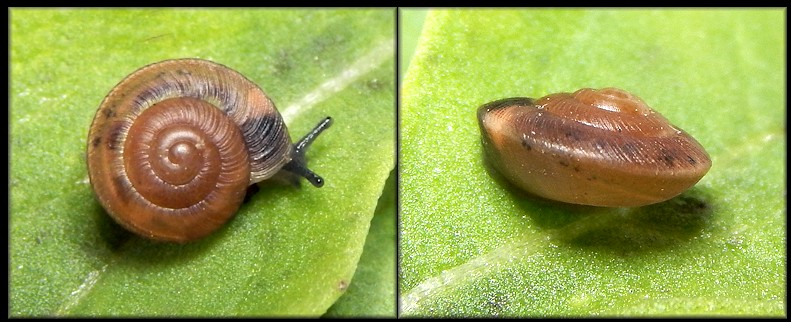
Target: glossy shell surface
[592, 147]
[174, 146]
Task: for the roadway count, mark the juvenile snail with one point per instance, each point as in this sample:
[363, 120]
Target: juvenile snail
[175, 145]
[593, 147]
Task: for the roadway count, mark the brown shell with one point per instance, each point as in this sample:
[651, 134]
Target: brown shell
[593, 147]
[174, 146]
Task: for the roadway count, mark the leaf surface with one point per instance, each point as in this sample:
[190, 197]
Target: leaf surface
[288, 252]
[472, 245]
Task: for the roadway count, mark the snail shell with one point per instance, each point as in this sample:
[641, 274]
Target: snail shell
[593, 147]
[174, 146]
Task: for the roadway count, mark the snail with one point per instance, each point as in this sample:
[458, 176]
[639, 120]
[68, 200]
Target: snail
[593, 147]
[175, 145]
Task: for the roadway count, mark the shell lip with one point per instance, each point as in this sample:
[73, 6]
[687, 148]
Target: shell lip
[504, 103]
[500, 104]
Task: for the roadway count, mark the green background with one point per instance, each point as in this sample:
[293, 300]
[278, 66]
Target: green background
[289, 251]
[472, 245]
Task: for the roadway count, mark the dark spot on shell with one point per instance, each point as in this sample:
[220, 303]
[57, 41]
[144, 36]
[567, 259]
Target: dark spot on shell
[109, 111]
[691, 160]
[592, 178]
[668, 158]
[576, 169]
[618, 129]
[96, 141]
[121, 185]
[564, 163]
[115, 133]
[573, 134]
[630, 149]
[526, 145]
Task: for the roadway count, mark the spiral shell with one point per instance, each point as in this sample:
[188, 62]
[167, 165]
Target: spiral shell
[174, 146]
[593, 147]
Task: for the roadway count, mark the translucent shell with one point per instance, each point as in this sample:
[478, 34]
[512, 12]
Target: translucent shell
[592, 147]
[174, 146]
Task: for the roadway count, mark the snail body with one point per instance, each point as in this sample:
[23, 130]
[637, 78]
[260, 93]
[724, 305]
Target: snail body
[175, 145]
[593, 147]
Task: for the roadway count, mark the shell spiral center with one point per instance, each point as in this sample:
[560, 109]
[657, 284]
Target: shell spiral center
[182, 150]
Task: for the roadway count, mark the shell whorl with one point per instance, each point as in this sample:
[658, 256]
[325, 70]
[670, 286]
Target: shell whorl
[609, 125]
[262, 127]
[180, 138]
[593, 147]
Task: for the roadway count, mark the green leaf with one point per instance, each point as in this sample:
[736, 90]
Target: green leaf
[289, 251]
[377, 269]
[472, 245]
[411, 25]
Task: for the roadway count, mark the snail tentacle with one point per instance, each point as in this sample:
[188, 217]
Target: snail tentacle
[298, 164]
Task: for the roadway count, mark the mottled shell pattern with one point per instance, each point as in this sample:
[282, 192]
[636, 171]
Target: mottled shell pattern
[183, 137]
[593, 147]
